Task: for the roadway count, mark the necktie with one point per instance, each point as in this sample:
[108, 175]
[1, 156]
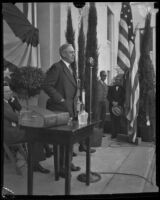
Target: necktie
[70, 69]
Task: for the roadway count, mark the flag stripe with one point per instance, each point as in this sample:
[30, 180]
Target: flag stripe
[123, 49]
[124, 33]
[133, 55]
[20, 41]
[25, 9]
[124, 58]
[121, 64]
[123, 27]
[33, 19]
[123, 41]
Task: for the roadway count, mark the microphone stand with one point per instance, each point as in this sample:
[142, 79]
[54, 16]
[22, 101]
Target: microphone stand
[90, 98]
[93, 176]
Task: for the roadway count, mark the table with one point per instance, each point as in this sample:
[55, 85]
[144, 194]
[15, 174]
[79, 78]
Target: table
[60, 135]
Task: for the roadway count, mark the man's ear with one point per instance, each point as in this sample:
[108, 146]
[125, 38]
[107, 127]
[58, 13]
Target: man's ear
[63, 54]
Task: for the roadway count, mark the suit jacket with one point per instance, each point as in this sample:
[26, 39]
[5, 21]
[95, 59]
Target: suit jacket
[115, 95]
[60, 83]
[12, 133]
[151, 104]
[102, 91]
[16, 106]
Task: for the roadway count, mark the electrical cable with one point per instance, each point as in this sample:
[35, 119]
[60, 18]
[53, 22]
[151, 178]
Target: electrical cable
[122, 145]
[119, 145]
[121, 173]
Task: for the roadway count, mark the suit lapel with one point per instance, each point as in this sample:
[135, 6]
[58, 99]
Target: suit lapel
[8, 106]
[68, 74]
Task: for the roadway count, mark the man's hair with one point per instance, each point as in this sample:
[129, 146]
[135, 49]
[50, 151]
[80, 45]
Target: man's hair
[102, 72]
[63, 47]
[5, 83]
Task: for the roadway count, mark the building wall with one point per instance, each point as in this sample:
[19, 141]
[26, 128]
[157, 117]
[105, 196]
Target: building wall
[52, 22]
[104, 59]
[43, 24]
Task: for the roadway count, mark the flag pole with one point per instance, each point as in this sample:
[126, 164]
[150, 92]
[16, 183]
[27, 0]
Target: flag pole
[93, 176]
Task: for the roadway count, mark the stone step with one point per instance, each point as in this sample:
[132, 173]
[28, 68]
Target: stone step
[137, 165]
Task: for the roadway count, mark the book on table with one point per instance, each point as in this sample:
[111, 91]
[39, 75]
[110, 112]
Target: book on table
[36, 116]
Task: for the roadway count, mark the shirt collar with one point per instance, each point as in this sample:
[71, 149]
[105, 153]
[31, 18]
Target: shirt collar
[66, 63]
[102, 81]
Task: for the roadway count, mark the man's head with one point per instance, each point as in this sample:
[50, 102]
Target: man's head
[67, 53]
[118, 80]
[103, 75]
[7, 91]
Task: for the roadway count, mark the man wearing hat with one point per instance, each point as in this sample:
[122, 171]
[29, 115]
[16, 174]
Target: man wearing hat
[116, 97]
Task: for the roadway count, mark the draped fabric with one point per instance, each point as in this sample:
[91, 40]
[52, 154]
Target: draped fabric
[126, 60]
[20, 38]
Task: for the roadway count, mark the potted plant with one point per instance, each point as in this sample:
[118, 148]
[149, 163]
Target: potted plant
[146, 79]
[27, 82]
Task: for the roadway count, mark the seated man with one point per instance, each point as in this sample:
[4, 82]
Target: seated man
[13, 134]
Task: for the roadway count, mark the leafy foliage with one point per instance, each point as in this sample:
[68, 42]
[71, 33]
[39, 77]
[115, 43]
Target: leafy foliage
[91, 51]
[27, 81]
[70, 34]
[81, 55]
[146, 72]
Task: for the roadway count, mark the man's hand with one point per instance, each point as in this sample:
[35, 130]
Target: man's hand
[148, 121]
[62, 100]
[63, 104]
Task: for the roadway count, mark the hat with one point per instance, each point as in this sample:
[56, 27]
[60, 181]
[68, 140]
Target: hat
[117, 110]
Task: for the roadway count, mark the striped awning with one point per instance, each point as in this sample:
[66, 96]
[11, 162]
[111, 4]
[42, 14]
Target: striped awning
[20, 37]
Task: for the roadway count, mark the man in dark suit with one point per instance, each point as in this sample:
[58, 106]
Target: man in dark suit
[102, 99]
[13, 134]
[151, 110]
[61, 86]
[116, 97]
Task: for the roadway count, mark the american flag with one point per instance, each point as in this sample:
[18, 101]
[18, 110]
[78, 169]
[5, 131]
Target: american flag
[126, 60]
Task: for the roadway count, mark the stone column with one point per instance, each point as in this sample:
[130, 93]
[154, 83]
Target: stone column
[48, 23]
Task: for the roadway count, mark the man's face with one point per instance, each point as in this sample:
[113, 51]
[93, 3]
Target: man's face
[7, 92]
[69, 54]
[103, 76]
[118, 81]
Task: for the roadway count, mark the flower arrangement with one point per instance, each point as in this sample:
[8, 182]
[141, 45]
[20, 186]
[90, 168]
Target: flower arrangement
[27, 81]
